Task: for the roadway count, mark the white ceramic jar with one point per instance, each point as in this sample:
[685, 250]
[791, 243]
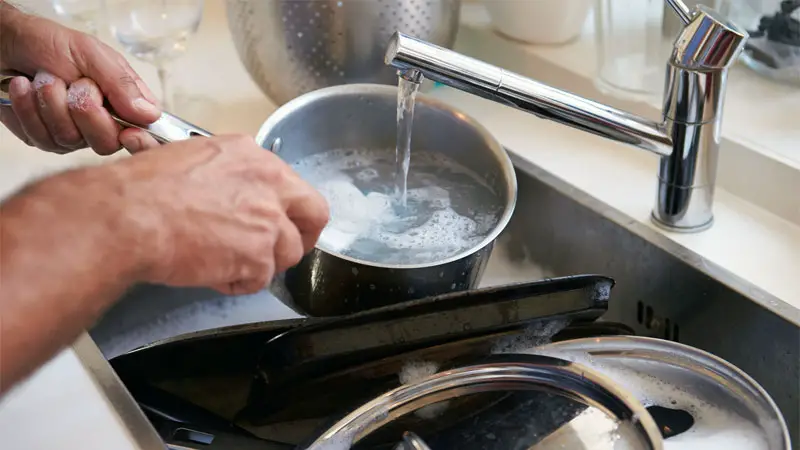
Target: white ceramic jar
[539, 21]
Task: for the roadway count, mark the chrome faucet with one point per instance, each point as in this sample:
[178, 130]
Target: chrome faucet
[687, 139]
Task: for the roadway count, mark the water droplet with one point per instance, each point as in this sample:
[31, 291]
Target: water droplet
[299, 34]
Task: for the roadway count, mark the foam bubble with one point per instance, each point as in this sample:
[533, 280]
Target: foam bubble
[535, 335]
[415, 371]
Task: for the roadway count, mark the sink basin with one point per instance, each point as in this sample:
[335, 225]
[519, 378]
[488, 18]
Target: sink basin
[662, 290]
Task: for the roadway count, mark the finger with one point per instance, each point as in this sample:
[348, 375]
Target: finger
[289, 248]
[309, 212]
[135, 140]
[243, 287]
[125, 90]
[51, 95]
[25, 106]
[85, 103]
[11, 122]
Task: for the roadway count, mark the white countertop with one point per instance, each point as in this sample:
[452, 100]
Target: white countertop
[59, 408]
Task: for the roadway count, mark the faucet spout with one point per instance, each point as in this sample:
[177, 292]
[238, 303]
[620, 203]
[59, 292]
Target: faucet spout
[411, 55]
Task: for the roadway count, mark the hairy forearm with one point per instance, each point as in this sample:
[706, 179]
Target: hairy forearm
[9, 17]
[64, 257]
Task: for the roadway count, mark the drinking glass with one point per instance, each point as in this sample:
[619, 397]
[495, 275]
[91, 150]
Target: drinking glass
[635, 39]
[82, 13]
[155, 31]
[632, 49]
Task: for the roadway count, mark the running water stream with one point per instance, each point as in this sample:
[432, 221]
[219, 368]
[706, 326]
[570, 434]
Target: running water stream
[406, 97]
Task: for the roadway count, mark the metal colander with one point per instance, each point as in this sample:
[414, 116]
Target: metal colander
[291, 47]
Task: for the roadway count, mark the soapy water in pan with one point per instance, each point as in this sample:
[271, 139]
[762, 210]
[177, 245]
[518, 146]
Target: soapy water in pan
[448, 210]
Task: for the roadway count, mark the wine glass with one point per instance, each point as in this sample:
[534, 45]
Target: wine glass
[83, 13]
[155, 31]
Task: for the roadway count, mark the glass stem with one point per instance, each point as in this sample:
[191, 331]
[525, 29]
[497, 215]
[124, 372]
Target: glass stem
[166, 91]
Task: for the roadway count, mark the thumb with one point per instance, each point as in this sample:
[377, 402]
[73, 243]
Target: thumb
[121, 85]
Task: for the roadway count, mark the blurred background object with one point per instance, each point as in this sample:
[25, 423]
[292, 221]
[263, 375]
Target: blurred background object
[80, 14]
[774, 26]
[290, 47]
[632, 48]
[155, 31]
[539, 21]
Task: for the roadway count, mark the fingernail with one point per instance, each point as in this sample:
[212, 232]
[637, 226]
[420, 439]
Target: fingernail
[131, 142]
[146, 107]
[21, 84]
[43, 79]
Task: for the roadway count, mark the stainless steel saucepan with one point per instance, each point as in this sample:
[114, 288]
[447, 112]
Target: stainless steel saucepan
[325, 283]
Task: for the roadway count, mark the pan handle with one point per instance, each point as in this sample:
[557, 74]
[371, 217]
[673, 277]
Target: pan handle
[168, 128]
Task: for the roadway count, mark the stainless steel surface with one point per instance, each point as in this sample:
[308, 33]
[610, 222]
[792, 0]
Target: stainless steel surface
[711, 382]
[291, 47]
[166, 129]
[681, 10]
[141, 433]
[687, 139]
[412, 442]
[327, 283]
[672, 24]
[662, 290]
[636, 427]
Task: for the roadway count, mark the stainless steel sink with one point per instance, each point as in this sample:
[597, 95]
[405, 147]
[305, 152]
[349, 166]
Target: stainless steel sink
[663, 290]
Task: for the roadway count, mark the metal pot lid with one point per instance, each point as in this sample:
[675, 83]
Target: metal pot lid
[512, 402]
[726, 408]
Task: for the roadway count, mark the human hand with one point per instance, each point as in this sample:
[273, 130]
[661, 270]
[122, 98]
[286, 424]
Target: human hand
[220, 212]
[62, 109]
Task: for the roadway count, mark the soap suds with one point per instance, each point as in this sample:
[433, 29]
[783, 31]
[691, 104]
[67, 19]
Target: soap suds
[535, 335]
[416, 371]
[714, 428]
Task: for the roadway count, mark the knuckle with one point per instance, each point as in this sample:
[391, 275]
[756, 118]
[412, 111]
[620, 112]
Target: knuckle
[65, 135]
[127, 81]
[243, 140]
[233, 141]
